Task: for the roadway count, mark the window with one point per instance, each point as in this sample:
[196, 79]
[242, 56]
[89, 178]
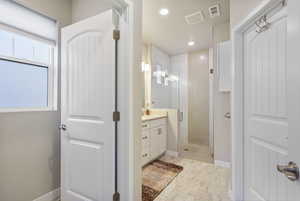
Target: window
[28, 71]
[23, 85]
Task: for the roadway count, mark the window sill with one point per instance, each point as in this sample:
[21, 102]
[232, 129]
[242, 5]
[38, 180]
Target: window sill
[15, 110]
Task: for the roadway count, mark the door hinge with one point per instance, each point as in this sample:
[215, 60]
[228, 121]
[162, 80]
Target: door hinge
[116, 35]
[116, 116]
[262, 24]
[116, 196]
[211, 71]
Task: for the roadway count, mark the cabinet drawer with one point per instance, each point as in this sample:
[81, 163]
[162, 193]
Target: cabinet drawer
[145, 125]
[160, 130]
[145, 154]
[158, 122]
[146, 143]
[145, 158]
[145, 132]
[145, 146]
[145, 137]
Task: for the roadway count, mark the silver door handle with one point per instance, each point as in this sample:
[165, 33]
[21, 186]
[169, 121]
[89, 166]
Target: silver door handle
[180, 116]
[291, 171]
[63, 127]
[227, 115]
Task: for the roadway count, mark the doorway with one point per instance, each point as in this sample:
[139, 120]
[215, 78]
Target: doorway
[177, 69]
[199, 102]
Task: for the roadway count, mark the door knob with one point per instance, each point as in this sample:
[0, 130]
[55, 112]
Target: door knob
[63, 127]
[227, 115]
[291, 171]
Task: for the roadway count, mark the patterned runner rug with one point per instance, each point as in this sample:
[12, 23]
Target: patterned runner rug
[156, 177]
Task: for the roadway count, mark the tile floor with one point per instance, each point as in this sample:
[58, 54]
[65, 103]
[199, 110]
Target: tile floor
[196, 152]
[199, 181]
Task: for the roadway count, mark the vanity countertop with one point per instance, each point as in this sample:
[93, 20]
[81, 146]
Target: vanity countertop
[153, 117]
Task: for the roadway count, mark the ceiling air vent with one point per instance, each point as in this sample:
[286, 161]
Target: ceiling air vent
[195, 18]
[214, 11]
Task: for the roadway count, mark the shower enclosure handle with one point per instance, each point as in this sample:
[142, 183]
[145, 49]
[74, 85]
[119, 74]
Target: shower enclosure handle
[227, 115]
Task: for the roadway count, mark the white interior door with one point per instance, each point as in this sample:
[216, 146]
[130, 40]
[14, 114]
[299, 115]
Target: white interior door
[266, 116]
[87, 144]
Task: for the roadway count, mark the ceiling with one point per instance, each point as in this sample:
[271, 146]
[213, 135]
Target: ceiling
[171, 33]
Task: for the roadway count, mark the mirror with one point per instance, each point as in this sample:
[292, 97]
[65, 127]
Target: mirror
[161, 82]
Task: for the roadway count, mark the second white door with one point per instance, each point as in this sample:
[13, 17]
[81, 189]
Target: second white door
[266, 116]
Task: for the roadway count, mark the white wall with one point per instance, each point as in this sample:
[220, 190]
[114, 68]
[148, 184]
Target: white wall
[240, 9]
[222, 131]
[222, 32]
[30, 141]
[82, 9]
[57, 9]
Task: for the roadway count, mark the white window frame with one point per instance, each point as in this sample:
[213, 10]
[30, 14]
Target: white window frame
[52, 72]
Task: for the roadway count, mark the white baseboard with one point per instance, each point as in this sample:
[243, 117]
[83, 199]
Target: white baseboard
[222, 164]
[172, 153]
[230, 195]
[51, 196]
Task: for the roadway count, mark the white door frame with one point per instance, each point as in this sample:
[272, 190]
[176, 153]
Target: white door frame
[237, 101]
[211, 74]
[130, 185]
[130, 108]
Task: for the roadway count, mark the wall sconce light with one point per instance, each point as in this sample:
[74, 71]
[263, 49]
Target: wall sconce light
[173, 78]
[145, 67]
[166, 80]
[158, 74]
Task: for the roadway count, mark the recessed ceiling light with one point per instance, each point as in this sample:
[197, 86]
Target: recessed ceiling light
[191, 43]
[164, 11]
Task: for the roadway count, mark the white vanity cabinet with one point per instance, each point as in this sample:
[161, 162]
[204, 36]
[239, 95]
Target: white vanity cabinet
[158, 141]
[145, 142]
[154, 139]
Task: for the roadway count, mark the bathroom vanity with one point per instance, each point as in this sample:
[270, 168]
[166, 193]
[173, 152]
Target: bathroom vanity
[154, 137]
